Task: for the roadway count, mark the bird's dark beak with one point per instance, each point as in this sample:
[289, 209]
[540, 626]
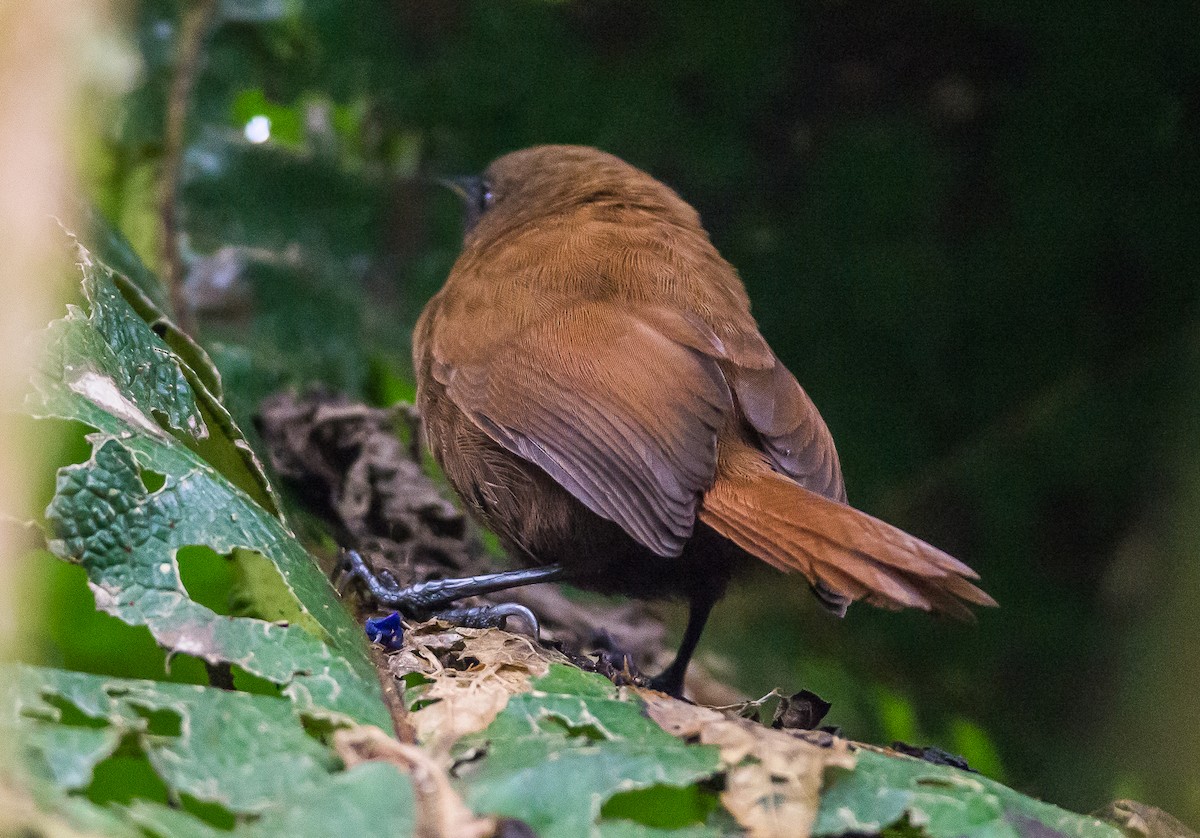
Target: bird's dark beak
[467, 187]
[470, 189]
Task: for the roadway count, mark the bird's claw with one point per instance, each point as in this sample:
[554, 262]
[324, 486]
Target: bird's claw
[491, 616]
[381, 585]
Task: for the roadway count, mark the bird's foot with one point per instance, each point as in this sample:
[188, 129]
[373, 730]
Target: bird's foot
[426, 600]
[491, 616]
[418, 602]
[351, 569]
[388, 630]
[669, 681]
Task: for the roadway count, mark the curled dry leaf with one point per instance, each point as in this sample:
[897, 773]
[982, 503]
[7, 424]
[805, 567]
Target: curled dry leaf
[773, 778]
[350, 467]
[441, 813]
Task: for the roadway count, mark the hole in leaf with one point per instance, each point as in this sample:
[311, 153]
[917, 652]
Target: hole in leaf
[160, 721]
[319, 729]
[662, 807]
[247, 682]
[415, 679]
[126, 776]
[904, 828]
[152, 480]
[590, 732]
[214, 814]
[68, 714]
[72, 634]
[207, 577]
[267, 594]
[54, 442]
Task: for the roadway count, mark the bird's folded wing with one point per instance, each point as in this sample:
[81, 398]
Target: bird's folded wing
[621, 409]
[792, 432]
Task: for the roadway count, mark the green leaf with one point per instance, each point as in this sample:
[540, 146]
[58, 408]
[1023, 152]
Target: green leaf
[109, 367]
[224, 445]
[372, 798]
[109, 370]
[942, 802]
[247, 754]
[555, 755]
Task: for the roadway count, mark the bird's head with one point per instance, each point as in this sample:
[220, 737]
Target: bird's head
[535, 184]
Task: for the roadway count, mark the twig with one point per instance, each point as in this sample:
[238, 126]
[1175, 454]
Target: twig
[197, 20]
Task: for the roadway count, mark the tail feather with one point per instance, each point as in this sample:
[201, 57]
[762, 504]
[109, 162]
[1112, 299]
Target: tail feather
[841, 550]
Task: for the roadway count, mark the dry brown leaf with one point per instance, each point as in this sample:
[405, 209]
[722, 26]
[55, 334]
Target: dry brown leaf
[441, 813]
[475, 672]
[773, 778]
[1141, 819]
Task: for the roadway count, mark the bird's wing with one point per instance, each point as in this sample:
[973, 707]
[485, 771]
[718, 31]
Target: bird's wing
[621, 409]
[793, 435]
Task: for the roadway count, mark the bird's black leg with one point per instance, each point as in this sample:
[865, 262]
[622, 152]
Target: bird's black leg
[426, 598]
[670, 680]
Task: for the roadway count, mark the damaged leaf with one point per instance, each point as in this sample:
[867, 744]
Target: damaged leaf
[941, 801]
[773, 779]
[554, 758]
[108, 369]
[473, 672]
[247, 754]
[223, 445]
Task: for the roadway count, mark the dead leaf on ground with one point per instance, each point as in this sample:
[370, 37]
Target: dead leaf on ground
[441, 813]
[475, 671]
[773, 777]
[1141, 819]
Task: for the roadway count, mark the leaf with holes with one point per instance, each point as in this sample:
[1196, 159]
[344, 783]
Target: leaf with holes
[941, 801]
[247, 754]
[556, 755]
[108, 369]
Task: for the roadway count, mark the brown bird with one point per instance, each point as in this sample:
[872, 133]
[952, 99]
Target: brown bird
[593, 385]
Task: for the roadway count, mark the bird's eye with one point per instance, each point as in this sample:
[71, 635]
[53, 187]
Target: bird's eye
[486, 197]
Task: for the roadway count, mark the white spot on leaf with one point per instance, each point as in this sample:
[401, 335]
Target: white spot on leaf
[103, 392]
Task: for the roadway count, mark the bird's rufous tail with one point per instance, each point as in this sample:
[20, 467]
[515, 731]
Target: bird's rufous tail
[840, 549]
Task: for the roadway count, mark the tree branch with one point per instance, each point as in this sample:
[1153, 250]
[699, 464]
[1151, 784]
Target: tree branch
[196, 22]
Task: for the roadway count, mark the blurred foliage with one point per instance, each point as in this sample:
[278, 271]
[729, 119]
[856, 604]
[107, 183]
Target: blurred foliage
[969, 228]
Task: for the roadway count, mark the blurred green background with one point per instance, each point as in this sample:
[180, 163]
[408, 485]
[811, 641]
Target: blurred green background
[969, 228]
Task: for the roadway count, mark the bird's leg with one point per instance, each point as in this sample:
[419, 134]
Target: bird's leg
[670, 680]
[424, 599]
